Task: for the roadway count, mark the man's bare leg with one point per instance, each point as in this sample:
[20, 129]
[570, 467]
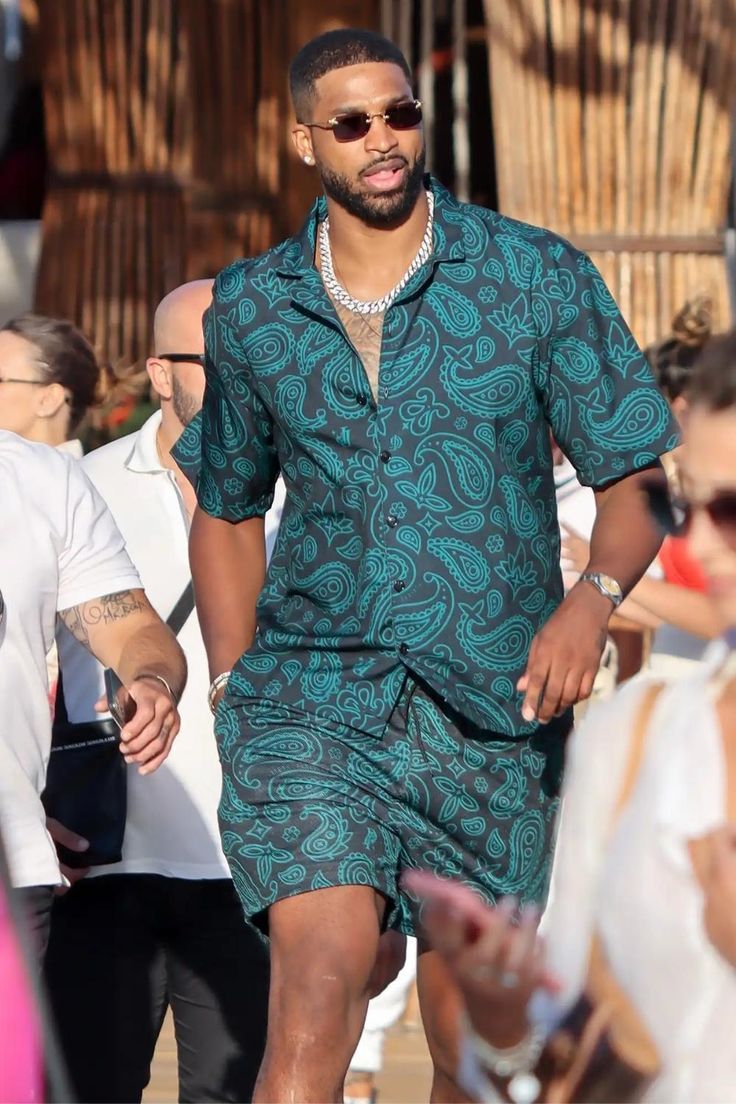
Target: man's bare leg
[439, 1001]
[323, 950]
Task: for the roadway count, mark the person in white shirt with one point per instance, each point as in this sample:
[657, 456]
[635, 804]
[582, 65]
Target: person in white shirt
[61, 554]
[163, 927]
[645, 867]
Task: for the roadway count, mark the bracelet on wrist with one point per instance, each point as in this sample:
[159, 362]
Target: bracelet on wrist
[162, 680]
[218, 683]
[507, 1062]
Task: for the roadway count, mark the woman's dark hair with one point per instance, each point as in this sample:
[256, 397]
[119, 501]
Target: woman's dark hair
[673, 360]
[66, 357]
[335, 50]
[713, 383]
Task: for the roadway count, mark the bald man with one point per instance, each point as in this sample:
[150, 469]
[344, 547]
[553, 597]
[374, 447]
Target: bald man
[163, 928]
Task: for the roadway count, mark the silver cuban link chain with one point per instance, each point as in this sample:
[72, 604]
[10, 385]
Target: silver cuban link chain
[371, 306]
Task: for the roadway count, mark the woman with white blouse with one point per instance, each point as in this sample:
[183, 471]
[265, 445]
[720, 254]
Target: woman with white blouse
[654, 880]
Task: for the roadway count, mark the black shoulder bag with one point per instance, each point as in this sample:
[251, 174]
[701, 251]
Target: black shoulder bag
[86, 780]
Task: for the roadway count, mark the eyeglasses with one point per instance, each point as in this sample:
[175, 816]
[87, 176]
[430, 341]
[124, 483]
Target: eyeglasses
[183, 358]
[674, 515]
[356, 124]
[13, 379]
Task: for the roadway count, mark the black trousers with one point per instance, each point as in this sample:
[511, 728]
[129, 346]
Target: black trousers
[122, 949]
[34, 908]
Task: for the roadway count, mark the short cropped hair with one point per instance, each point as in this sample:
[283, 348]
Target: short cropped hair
[336, 50]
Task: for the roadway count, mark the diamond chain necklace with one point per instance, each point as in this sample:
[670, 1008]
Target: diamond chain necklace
[371, 306]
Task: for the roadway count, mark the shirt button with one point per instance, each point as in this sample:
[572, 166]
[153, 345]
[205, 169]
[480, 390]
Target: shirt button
[361, 400]
[392, 521]
[403, 648]
[399, 585]
[385, 457]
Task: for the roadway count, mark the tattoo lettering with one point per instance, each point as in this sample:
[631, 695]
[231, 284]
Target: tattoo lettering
[101, 611]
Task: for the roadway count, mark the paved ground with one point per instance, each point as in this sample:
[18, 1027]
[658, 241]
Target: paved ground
[405, 1078]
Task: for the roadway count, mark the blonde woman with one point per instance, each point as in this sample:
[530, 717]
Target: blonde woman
[652, 883]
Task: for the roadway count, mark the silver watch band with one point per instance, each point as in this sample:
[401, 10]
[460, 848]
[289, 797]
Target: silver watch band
[605, 585]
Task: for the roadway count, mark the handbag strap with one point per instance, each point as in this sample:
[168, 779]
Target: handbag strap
[182, 610]
[627, 1031]
[636, 747]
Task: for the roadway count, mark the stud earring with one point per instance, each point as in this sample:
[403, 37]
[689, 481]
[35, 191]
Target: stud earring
[308, 160]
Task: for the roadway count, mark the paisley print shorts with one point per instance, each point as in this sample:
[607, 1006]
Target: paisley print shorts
[309, 804]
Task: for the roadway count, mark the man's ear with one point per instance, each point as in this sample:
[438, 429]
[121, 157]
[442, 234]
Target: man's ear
[160, 374]
[302, 140]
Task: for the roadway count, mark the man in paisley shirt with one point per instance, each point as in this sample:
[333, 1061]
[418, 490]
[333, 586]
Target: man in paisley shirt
[399, 682]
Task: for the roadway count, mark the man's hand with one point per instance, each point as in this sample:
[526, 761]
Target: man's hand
[719, 914]
[73, 842]
[565, 655]
[149, 734]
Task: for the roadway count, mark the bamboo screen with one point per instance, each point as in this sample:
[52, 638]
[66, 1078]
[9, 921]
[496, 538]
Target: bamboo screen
[612, 126]
[161, 126]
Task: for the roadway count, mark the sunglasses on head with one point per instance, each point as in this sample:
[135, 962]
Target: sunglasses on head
[183, 358]
[356, 124]
[674, 514]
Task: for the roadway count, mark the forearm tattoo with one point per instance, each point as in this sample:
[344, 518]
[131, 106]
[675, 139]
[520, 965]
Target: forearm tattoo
[100, 611]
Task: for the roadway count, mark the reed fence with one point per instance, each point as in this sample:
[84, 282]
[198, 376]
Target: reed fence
[162, 126]
[612, 125]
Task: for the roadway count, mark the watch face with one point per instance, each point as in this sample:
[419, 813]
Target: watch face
[610, 585]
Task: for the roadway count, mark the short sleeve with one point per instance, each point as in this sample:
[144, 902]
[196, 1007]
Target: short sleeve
[599, 395]
[92, 560]
[231, 444]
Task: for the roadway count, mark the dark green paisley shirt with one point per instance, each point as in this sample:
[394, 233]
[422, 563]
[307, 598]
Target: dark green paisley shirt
[420, 530]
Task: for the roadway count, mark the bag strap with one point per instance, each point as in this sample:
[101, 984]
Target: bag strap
[182, 610]
[637, 746]
[627, 1031]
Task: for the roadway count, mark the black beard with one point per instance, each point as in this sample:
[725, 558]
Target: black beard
[386, 210]
[185, 406]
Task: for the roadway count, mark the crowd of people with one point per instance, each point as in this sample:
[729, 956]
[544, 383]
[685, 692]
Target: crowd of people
[322, 627]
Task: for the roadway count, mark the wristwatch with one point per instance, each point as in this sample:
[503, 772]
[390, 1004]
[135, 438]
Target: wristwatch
[605, 585]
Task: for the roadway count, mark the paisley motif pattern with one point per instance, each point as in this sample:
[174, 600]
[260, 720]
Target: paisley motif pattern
[419, 529]
[311, 803]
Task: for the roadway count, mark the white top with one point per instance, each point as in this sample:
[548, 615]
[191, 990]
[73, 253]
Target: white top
[58, 547]
[171, 827]
[638, 888]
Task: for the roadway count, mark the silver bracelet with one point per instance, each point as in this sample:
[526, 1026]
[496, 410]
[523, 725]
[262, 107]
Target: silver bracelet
[218, 682]
[162, 680]
[509, 1061]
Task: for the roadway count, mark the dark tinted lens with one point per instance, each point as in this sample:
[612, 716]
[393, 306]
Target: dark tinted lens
[348, 128]
[722, 512]
[404, 116]
[669, 514]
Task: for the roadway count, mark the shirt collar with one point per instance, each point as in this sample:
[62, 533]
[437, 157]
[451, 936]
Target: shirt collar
[143, 456]
[297, 261]
[72, 448]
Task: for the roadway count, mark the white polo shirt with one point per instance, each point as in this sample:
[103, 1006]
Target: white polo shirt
[59, 547]
[171, 827]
